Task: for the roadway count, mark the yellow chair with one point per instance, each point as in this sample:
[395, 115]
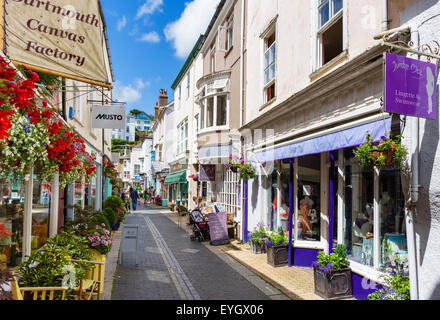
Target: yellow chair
[38, 292]
[93, 282]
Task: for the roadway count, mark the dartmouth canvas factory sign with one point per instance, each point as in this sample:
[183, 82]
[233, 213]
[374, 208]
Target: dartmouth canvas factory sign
[61, 36]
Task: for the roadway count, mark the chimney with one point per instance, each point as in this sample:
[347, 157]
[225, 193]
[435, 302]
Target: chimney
[163, 98]
[156, 111]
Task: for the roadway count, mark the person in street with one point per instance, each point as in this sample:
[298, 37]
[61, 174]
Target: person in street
[216, 206]
[195, 202]
[145, 196]
[134, 196]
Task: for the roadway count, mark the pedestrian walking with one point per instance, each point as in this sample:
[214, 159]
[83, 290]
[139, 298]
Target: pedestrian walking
[134, 196]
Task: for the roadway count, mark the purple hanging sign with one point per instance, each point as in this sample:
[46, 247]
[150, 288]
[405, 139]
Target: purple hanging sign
[207, 173]
[410, 87]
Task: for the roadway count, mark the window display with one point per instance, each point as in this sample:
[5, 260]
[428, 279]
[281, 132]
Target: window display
[41, 199]
[392, 218]
[273, 197]
[309, 198]
[359, 217]
[11, 220]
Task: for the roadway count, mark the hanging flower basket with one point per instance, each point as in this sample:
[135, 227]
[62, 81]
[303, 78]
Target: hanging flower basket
[194, 176]
[386, 153]
[238, 165]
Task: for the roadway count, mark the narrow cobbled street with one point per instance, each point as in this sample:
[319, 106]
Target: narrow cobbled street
[169, 266]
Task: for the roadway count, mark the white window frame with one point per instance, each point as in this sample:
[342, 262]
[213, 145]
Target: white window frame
[272, 30]
[317, 58]
[204, 113]
[188, 84]
[229, 33]
[182, 137]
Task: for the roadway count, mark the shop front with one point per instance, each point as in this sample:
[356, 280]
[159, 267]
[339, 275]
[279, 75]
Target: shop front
[177, 186]
[311, 184]
[317, 190]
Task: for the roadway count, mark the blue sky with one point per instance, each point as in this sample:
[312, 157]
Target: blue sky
[149, 43]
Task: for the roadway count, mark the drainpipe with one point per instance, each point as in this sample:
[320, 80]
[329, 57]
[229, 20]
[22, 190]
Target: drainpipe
[414, 196]
[242, 63]
[384, 15]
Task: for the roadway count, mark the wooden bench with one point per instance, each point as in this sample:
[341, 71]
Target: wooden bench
[42, 293]
[93, 282]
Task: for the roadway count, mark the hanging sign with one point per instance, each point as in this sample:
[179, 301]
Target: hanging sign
[108, 117]
[62, 37]
[410, 87]
[207, 172]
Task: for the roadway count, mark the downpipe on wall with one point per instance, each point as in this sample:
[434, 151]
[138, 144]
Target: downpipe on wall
[414, 195]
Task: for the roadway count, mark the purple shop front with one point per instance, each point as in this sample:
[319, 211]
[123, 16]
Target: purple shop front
[410, 87]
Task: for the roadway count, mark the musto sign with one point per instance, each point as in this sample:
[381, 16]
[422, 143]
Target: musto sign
[108, 117]
[64, 36]
[410, 87]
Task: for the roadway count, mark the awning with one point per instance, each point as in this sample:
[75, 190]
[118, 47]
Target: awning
[176, 178]
[334, 141]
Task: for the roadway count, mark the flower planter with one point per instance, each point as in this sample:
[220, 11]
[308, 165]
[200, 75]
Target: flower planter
[257, 248]
[277, 256]
[234, 169]
[334, 284]
[389, 160]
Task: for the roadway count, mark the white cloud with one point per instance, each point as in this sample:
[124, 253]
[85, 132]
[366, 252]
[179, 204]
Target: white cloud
[149, 7]
[184, 32]
[129, 93]
[152, 37]
[122, 23]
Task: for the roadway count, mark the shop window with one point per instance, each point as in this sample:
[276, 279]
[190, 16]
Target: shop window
[78, 194]
[92, 191]
[359, 217]
[41, 197]
[309, 198]
[11, 220]
[392, 218]
[272, 210]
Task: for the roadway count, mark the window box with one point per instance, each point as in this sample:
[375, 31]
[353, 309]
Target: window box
[334, 284]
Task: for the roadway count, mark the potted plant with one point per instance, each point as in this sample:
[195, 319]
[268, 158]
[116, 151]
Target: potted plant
[388, 152]
[238, 165]
[258, 240]
[332, 274]
[277, 248]
[396, 282]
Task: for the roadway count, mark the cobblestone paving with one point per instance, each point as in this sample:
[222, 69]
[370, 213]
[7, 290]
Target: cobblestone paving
[172, 267]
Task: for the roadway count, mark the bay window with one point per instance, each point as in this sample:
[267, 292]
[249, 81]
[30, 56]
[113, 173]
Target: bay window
[214, 112]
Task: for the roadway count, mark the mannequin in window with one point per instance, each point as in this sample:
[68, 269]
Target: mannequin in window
[284, 212]
[305, 206]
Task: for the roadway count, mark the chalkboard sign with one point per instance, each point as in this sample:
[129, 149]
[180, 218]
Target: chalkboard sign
[218, 228]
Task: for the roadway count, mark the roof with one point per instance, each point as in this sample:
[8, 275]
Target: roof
[188, 62]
